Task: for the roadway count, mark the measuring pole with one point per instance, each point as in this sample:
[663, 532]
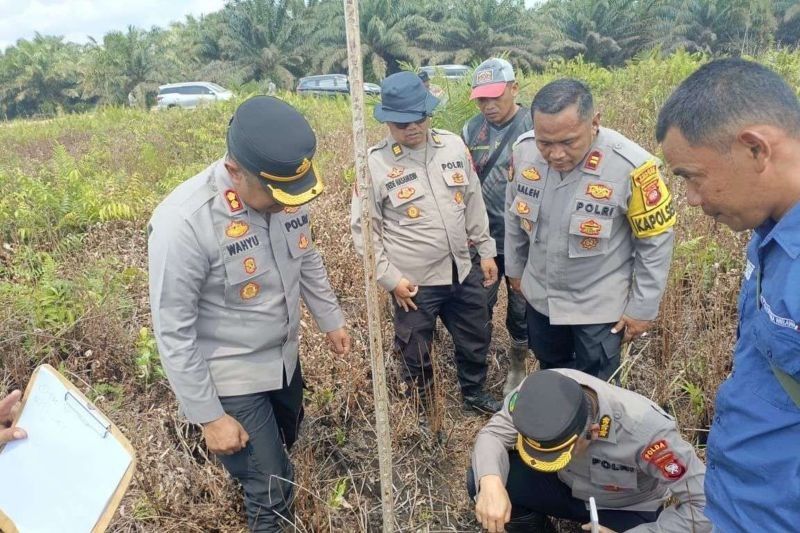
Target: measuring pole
[365, 196]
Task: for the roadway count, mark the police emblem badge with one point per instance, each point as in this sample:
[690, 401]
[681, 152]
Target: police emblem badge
[237, 228]
[531, 174]
[590, 227]
[250, 291]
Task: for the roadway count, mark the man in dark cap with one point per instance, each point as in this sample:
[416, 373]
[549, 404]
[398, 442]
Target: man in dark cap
[230, 256]
[565, 436]
[433, 250]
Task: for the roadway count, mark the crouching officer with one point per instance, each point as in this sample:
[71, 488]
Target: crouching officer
[573, 436]
[230, 256]
[433, 250]
[588, 233]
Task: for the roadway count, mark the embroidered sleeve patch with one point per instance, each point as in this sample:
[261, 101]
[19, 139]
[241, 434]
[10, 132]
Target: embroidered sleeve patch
[651, 210]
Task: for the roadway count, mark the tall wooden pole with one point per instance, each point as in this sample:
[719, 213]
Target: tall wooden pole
[365, 196]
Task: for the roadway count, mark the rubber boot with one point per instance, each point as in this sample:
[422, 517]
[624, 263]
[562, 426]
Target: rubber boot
[517, 353]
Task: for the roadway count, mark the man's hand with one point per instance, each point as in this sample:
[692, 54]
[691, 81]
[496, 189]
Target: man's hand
[225, 435]
[489, 268]
[493, 508]
[601, 529]
[403, 293]
[8, 409]
[516, 284]
[633, 328]
[339, 340]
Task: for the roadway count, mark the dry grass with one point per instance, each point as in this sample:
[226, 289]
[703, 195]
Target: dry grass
[178, 487]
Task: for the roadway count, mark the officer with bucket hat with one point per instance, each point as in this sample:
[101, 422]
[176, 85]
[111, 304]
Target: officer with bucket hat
[433, 250]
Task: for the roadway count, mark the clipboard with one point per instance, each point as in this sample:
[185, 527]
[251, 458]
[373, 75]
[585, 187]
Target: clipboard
[70, 428]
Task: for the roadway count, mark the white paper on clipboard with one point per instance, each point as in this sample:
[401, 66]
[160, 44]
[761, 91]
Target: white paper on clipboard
[63, 475]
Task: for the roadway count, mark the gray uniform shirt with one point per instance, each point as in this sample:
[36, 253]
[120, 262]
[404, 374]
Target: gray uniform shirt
[595, 244]
[482, 139]
[428, 210]
[639, 459]
[225, 288]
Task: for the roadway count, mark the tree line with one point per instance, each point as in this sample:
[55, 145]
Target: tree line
[250, 43]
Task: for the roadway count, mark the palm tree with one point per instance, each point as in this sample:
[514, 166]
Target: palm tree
[385, 29]
[123, 62]
[604, 31]
[263, 39]
[479, 29]
[39, 76]
[715, 26]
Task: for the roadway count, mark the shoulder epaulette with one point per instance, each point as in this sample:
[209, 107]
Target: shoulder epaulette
[524, 137]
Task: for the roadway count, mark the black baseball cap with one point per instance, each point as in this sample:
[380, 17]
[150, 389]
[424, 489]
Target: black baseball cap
[272, 140]
[550, 411]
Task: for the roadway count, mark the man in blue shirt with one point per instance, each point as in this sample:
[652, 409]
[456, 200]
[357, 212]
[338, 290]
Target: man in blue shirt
[732, 131]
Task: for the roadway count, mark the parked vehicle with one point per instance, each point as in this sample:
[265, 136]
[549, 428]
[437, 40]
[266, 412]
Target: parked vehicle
[450, 72]
[190, 94]
[331, 85]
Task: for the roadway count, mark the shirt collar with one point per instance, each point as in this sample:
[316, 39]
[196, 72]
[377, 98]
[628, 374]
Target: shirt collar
[786, 232]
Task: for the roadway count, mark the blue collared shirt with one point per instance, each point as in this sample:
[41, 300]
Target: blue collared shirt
[753, 459]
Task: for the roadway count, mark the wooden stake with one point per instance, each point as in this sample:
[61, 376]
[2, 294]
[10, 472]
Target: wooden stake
[365, 196]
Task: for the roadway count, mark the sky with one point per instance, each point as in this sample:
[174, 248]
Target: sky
[77, 20]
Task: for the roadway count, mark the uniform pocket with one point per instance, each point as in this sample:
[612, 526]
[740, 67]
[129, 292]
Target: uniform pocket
[404, 190]
[588, 236]
[455, 178]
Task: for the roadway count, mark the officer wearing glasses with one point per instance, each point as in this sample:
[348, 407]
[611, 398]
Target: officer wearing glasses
[433, 250]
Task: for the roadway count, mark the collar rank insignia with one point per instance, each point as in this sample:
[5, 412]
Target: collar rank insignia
[233, 201]
[593, 161]
[435, 138]
[397, 150]
[605, 425]
[237, 228]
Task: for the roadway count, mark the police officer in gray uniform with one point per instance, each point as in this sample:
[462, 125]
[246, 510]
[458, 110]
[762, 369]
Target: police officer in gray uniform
[588, 233]
[566, 436]
[489, 135]
[230, 256]
[433, 250]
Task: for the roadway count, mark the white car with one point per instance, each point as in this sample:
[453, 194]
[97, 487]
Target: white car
[190, 94]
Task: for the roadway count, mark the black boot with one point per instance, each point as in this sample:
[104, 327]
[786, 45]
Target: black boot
[482, 402]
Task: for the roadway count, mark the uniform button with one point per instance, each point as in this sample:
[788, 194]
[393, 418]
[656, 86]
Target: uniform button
[617, 415]
[769, 354]
[618, 146]
[716, 419]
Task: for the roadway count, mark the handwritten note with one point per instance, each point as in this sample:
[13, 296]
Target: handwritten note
[63, 475]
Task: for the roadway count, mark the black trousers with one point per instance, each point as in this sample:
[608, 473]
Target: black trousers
[272, 420]
[463, 310]
[515, 308]
[590, 348]
[531, 491]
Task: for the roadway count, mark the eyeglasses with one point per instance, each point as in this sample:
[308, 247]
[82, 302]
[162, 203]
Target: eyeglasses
[404, 125]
